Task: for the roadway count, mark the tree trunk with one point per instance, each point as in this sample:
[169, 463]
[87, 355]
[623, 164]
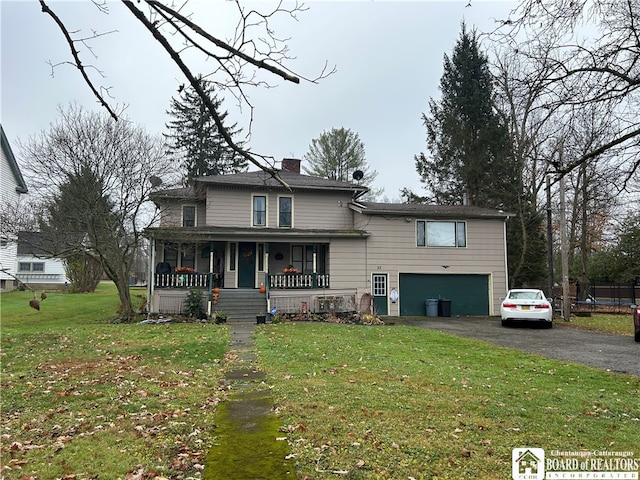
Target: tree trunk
[127, 311]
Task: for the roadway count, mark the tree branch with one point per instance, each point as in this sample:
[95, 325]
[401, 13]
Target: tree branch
[76, 58]
[175, 56]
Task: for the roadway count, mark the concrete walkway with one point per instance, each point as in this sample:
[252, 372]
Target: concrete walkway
[249, 445]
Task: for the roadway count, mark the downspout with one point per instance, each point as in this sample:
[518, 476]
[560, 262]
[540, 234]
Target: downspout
[504, 242]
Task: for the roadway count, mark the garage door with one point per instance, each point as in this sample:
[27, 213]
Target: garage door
[469, 294]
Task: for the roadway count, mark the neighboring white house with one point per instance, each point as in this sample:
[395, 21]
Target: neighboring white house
[36, 266]
[12, 185]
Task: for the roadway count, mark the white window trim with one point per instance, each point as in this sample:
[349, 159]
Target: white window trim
[266, 210]
[292, 208]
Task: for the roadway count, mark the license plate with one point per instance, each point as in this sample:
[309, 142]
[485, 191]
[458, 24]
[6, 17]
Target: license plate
[525, 307]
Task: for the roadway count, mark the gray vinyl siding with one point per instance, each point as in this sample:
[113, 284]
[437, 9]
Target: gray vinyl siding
[392, 248]
[171, 213]
[233, 208]
[347, 264]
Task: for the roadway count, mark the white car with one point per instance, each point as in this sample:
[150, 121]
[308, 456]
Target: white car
[527, 304]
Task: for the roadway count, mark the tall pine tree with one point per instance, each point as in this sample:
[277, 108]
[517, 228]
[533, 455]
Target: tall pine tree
[469, 145]
[470, 158]
[194, 138]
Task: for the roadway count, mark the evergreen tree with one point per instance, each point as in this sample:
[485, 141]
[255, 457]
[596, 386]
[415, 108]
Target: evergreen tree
[194, 138]
[471, 158]
[336, 154]
[78, 217]
[469, 145]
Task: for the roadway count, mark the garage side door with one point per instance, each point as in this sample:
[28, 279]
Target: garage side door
[469, 294]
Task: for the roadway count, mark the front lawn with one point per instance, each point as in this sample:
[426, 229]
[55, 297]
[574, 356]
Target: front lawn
[402, 402]
[83, 398]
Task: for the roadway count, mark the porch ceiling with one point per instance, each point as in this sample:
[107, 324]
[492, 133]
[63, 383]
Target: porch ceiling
[218, 233]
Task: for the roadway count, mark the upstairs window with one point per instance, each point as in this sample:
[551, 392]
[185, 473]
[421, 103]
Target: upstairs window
[188, 216]
[259, 211]
[285, 208]
[441, 234]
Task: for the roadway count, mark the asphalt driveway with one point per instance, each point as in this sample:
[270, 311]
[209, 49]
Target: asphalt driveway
[615, 353]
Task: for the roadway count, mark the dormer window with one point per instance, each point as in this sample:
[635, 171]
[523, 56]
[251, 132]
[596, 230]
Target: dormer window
[188, 216]
[259, 211]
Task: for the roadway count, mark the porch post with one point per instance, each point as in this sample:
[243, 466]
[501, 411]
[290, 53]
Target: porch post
[266, 275]
[151, 278]
[210, 277]
[315, 265]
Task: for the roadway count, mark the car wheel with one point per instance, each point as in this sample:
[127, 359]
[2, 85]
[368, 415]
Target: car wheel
[505, 323]
[637, 336]
[550, 325]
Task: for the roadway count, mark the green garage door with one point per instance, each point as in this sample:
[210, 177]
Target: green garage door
[469, 294]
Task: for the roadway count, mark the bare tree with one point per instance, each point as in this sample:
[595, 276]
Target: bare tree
[237, 61]
[592, 50]
[94, 175]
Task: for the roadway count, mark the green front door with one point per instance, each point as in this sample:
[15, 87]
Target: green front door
[380, 303]
[247, 265]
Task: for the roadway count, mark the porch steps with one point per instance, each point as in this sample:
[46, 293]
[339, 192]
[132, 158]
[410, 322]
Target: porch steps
[242, 305]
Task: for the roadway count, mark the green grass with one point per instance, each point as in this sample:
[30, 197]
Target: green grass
[84, 397]
[609, 323]
[401, 402]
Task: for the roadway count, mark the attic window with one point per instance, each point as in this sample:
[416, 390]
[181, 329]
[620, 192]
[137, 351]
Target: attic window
[188, 216]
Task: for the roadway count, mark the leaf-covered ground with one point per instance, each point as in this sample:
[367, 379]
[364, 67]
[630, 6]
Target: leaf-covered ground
[402, 402]
[84, 399]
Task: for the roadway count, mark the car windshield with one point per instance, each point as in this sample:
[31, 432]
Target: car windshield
[525, 295]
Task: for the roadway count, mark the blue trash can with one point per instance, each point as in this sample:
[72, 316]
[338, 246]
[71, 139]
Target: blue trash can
[431, 307]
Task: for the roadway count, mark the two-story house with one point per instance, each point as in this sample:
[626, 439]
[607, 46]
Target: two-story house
[12, 186]
[316, 246]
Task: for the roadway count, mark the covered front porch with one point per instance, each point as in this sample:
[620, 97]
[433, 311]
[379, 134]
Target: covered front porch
[228, 264]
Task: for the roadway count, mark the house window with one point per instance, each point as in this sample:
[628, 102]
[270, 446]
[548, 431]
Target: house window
[302, 258]
[188, 216]
[31, 267]
[188, 256]
[285, 207]
[259, 211]
[441, 234]
[379, 285]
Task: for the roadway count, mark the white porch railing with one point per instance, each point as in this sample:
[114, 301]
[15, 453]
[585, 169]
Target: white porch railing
[181, 280]
[299, 280]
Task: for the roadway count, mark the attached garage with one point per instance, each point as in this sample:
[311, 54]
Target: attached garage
[469, 293]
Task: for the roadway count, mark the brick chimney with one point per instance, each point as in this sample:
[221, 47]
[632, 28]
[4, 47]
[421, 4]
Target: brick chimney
[291, 165]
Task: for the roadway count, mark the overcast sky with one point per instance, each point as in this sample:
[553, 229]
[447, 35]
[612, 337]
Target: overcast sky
[388, 57]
